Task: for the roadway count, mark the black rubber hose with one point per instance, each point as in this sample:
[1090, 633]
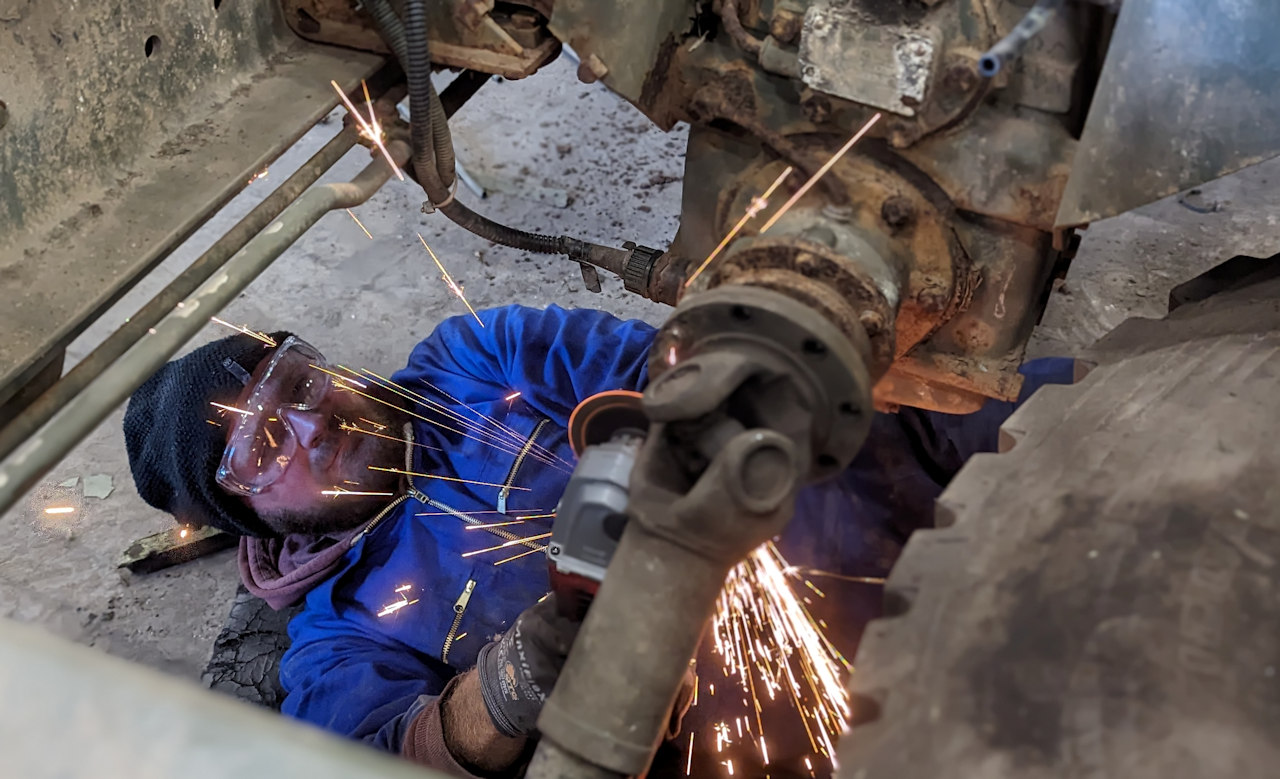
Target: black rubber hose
[418, 71]
[392, 29]
[499, 233]
[441, 139]
[436, 174]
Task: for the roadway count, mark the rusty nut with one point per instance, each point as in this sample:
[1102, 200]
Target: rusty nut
[898, 212]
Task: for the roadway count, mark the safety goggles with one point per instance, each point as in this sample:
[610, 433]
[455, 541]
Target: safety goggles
[262, 444]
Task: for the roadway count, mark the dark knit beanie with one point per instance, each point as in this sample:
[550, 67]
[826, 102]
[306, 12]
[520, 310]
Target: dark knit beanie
[173, 450]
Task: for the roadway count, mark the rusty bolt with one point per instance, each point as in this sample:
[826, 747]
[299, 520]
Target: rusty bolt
[898, 212]
[961, 77]
[872, 322]
[932, 299]
[785, 25]
[902, 134]
[816, 106]
[592, 69]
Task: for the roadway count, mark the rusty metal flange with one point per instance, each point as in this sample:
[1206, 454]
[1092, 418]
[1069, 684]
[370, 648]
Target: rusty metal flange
[780, 340]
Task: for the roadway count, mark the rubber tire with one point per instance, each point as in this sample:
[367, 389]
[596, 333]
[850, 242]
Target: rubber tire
[1103, 598]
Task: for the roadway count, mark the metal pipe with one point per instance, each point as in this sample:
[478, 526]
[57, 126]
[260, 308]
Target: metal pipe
[610, 707]
[749, 44]
[110, 388]
[136, 326]
[1010, 46]
[43, 408]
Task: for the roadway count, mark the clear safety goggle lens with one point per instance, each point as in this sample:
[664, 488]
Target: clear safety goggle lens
[261, 444]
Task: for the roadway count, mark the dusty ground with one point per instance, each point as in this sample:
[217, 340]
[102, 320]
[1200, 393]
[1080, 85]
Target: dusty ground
[538, 142]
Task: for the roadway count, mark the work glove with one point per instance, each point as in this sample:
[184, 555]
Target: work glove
[518, 671]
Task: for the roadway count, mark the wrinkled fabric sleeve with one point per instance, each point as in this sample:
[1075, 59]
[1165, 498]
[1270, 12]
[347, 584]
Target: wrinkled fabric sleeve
[554, 357]
[363, 686]
[424, 741]
[945, 442]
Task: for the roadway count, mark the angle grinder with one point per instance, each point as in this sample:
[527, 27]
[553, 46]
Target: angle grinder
[605, 432]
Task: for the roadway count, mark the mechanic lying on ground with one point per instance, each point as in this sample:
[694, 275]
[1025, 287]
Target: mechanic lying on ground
[403, 641]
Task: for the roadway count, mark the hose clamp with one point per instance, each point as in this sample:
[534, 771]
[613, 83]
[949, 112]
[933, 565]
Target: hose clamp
[430, 208]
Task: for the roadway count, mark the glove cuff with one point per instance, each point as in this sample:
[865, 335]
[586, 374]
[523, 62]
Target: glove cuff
[490, 691]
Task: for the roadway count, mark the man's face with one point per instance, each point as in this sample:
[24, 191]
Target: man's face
[330, 458]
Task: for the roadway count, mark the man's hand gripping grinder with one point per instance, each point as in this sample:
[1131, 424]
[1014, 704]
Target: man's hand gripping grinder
[605, 431]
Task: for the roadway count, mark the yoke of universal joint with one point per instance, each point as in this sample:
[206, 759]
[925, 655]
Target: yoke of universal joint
[766, 361]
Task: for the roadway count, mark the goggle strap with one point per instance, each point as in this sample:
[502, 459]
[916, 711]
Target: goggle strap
[237, 370]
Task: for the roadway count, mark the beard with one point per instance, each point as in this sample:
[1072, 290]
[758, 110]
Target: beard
[376, 442]
[340, 516]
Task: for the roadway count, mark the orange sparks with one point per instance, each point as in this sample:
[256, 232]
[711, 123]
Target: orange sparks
[488, 525]
[842, 577]
[266, 339]
[688, 764]
[392, 608]
[60, 510]
[510, 448]
[369, 129]
[485, 511]
[361, 224]
[769, 642]
[403, 472]
[522, 554]
[826, 166]
[453, 285]
[344, 379]
[182, 533]
[671, 356]
[240, 411]
[500, 431]
[512, 397]
[262, 174]
[336, 491]
[349, 428]
[368, 102]
[504, 524]
[758, 204]
[512, 542]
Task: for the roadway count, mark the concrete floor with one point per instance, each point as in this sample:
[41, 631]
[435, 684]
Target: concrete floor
[368, 302]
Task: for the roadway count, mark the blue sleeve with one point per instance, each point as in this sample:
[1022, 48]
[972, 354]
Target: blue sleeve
[361, 686]
[949, 440]
[553, 357]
